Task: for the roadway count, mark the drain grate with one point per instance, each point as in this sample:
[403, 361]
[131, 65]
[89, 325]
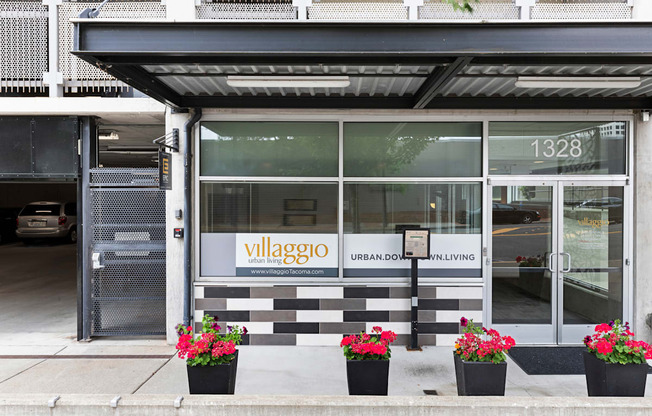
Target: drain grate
[431, 392]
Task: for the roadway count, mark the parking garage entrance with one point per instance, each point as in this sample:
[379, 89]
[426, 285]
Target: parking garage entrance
[558, 254]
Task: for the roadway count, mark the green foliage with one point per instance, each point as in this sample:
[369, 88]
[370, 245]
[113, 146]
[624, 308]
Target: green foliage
[462, 4]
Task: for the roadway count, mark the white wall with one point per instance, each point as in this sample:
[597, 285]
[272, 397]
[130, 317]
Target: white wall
[643, 228]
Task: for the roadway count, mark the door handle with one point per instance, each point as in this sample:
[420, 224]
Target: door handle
[550, 262]
[569, 263]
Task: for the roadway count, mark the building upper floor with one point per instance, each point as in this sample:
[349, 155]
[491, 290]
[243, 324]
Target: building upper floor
[37, 36]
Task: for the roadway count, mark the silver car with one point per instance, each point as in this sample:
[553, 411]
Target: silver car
[45, 219]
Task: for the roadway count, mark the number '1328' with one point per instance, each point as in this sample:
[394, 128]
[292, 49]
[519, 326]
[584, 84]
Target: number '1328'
[560, 148]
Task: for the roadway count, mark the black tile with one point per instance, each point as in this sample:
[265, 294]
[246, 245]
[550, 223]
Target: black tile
[438, 328]
[296, 304]
[245, 340]
[366, 292]
[296, 327]
[237, 316]
[439, 304]
[366, 316]
[226, 292]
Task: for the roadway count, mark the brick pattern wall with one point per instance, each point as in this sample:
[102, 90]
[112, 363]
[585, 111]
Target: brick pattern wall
[322, 315]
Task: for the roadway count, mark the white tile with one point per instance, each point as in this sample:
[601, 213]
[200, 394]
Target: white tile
[199, 314]
[320, 316]
[319, 339]
[454, 316]
[256, 327]
[388, 304]
[458, 292]
[320, 292]
[199, 292]
[397, 327]
[250, 304]
[446, 340]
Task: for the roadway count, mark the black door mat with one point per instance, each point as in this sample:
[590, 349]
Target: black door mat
[548, 360]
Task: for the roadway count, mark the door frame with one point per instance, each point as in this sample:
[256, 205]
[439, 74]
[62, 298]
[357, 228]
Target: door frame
[556, 332]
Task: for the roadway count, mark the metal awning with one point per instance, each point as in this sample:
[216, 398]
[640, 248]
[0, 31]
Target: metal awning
[390, 65]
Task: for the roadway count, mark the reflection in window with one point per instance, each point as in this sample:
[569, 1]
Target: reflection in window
[388, 208]
[268, 208]
[593, 238]
[412, 149]
[552, 148]
[269, 149]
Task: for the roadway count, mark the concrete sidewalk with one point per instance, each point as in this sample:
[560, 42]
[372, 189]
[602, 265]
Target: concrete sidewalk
[144, 366]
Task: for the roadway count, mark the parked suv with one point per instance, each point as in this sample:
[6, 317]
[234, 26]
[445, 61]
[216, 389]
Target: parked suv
[46, 219]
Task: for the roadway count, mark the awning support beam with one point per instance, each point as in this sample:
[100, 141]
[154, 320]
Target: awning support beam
[438, 80]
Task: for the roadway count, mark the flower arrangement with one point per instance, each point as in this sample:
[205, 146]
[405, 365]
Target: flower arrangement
[472, 347]
[368, 347]
[536, 261]
[210, 348]
[614, 343]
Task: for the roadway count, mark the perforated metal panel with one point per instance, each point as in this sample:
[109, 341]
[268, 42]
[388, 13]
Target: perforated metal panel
[128, 234]
[79, 75]
[584, 11]
[24, 45]
[245, 11]
[357, 11]
[496, 10]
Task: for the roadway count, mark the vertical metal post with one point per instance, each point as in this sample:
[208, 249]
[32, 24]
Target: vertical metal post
[414, 337]
[88, 160]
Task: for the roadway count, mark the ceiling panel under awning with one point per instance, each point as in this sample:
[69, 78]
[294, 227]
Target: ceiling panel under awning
[477, 68]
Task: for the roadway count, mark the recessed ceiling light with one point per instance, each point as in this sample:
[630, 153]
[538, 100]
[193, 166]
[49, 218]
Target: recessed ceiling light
[270, 81]
[578, 82]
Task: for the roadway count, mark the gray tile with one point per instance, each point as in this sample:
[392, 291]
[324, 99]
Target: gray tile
[470, 304]
[341, 328]
[273, 339]
[285, 292]
[427, 316]
[226, 292]
[343, 304]
[273, 316]
[399, 316]
[210, 303]
[429, 292]
[424, 339]
[399, 292]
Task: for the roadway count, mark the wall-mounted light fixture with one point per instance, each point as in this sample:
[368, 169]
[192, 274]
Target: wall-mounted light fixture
[287, 81]
[578, 82]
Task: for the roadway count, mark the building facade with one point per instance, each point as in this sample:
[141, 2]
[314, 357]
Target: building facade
[517, 137]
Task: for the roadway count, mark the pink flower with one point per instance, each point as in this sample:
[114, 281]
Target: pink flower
[604, 347]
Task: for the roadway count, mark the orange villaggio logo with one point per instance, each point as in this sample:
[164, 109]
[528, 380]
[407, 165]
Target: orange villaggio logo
[267, 251]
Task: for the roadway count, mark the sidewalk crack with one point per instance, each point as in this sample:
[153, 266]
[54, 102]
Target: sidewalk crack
[152, 375]
[21, 372]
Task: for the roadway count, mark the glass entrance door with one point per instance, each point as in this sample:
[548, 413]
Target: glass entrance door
[557, 258]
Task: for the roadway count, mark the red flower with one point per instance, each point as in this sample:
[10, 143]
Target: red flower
[603, 328]
[377, 329]
[604, 347]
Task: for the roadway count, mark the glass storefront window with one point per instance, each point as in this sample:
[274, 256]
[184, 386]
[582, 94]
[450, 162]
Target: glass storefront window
[269, 229]
[375, 215]
[557, 148]
[232, 148]
[412, 149]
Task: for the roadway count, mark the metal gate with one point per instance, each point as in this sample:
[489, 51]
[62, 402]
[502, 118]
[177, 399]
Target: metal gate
[127, 252]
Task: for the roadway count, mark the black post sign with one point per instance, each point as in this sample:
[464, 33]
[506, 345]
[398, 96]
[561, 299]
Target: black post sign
[416, 245]
[164, 170]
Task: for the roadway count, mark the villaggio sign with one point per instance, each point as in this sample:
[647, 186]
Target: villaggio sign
[379, 255]
[298, 255]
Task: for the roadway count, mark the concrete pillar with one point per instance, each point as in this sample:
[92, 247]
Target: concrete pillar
[174, 246]
[302, 8]
[642, 228]
[53, 78]
[526, 8]
[180, 9]
[642, 9]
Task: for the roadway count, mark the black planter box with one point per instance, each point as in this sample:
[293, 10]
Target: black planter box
[219, 379]
[479, 378]
[367, 377]
[607, 379]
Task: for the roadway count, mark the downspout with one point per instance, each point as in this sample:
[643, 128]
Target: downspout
[187, 217]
